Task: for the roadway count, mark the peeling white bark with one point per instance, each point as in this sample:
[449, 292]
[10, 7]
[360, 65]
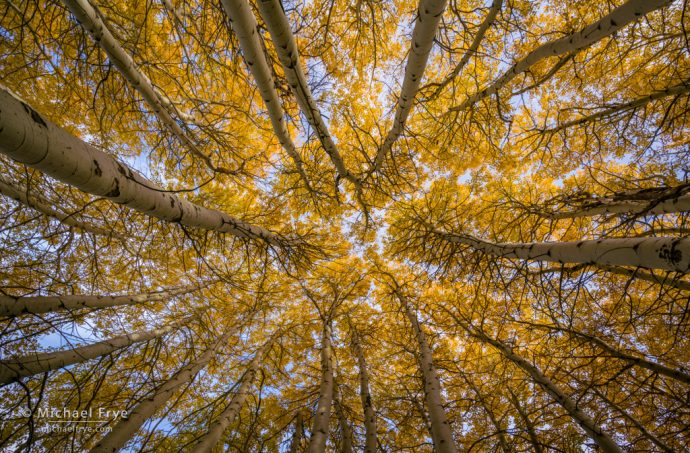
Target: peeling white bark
[245, 27]
[15, 306]
[320, 427]
[628, 12]
[426, 25]
[126, 428]
[17, 368]
[440, 429]
[672, 254]
[93, 23]
[227, 417]
[28, 138]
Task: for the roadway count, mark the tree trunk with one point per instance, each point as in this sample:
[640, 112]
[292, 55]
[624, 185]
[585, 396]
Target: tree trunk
[676, 90]
[15, 306]
[628, 12]
[93, 23]
[126, 428]
[370, 434]
[529, 426]
[648, 277]
[651, 437]
[345, 430]
[440, 429]
[296, 441]
[319, 431]
[227, 417]
[667, 253]
[472, 50]
[40, 362]
[429, 15]
[654, 367]
[28, 138]
[44, 207]
[594, 431]
[245, 27]
[288, 54]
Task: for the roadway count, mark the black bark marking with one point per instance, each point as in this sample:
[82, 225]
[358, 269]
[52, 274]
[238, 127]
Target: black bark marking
[97, 170]
[115, 192]
[35, 116]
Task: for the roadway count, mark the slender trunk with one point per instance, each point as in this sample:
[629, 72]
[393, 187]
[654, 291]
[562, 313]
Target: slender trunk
[370, 440]
[651, 437]
[440, 429]
[319, 431]
[227, 417]
[40, 362]
[245, 27]
[44, 207]
[296, 441]
[15, 306]
[288, 54]
[472, 50]
[641, 362]
[529, 426]
[676, 90]
[503, 442]
[429, 15]
[628, 12]
[679, 203]
[93, 23]
[345, 430]
[28, 138]
[667, 253]
[126, 428]
[594, 431]
[648, 277]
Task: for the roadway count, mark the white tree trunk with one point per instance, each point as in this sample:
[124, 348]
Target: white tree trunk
[227, 417]
[680, 203]
[28, 138]
[245, 27]
[40, 362]
[594, 431]
[676, 90]
[648, 277]
[43, 206]
[370, 434]
[345, 430]
[655, 440]
[319, 431]
[15, 306]
[671, 254]
[288, 54]
[126, 428]
[93, 23]
[529, 426]
[296, 441]
[628, 12]
[472, 50]
[440, 429]
[642, 362]
[429, 15]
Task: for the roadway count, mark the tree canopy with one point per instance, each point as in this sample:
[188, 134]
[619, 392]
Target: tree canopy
[331, 225]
